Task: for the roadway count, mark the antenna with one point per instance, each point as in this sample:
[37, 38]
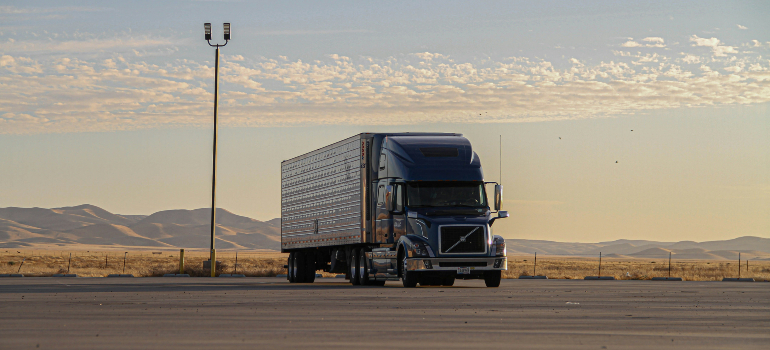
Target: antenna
[501, 160]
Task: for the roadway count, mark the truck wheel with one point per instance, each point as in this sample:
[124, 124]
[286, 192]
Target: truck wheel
[448, 280]
[409, 278]
[492, 278]
[292, 268]
[430, 279]
[363, 271]
[309, 267]
[300, 267]
[353, 262]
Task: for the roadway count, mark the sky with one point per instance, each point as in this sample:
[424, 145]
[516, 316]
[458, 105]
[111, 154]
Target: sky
[111, 104]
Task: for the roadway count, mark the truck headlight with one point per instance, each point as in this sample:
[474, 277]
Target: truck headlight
[499, 243]
[420, 249]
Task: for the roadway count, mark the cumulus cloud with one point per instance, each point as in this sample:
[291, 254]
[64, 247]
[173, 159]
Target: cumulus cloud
[631, 43]
[650, 42]
[741, 27]
[69, 94]
[715, 44]
[654, 42]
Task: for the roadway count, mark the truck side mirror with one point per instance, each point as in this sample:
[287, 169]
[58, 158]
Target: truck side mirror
[498, 197]
[389, 198]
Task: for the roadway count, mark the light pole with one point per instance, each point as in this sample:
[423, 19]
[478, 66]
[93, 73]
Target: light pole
[207, 27]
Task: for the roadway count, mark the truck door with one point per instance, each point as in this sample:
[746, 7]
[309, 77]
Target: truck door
[384, 221]
[398, 215]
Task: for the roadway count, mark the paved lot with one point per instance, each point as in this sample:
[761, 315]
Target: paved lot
[197, 313]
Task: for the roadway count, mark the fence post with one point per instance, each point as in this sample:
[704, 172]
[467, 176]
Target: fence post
[181, 261]
[739, 264]
[213, 265]
[600, 264]
[669, 264]
[535, 272]
[124, 261]
[69, 262]
[105, 260]
[236, 261]
[22, 264]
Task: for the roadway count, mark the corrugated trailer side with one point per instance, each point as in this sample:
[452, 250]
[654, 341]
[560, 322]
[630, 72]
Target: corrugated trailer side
[323, 196]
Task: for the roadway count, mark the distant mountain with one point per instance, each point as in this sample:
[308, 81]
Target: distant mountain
[749, 247]
[93, 226]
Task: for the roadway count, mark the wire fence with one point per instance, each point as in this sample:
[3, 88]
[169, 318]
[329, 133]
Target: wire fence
[640, 267]
[265, 264]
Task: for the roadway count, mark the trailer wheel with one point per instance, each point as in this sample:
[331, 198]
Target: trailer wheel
[408, 278]
[309, 267]
[492, 278]
[353, 262]
[290, 275]
[300, 267]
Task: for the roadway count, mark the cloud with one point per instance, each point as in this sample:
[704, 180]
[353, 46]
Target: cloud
[631, 43]
[651, 42]
[715, 44]
[48, 94]
[741, 27]
[89, 45]
[654, 42]
[691, 59]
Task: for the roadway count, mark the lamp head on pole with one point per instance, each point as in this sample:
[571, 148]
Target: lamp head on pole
[227, 31]
[207, 28]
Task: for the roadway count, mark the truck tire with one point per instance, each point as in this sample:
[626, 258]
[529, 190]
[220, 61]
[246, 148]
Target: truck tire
[363, 270]
[353, 262]
[300, 267]
[430, 279]
[290, 275]
[492, 278]
[408, 278]
[309, 267]
[448, 280]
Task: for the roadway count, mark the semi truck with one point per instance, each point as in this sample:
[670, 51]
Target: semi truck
[391, 206]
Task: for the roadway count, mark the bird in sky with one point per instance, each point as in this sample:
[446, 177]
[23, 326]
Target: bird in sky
[616, 161]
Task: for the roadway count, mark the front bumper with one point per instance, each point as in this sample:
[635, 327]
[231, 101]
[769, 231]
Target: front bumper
[453, 264]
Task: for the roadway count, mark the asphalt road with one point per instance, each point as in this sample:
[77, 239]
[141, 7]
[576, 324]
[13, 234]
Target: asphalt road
[266, 313]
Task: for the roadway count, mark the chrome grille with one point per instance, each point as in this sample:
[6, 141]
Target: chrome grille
[462, 239]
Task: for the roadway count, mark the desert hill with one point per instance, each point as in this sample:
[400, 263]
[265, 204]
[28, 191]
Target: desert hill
[749, 247]
[89, 225]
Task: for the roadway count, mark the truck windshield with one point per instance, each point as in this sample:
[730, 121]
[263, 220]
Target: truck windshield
[446, 194]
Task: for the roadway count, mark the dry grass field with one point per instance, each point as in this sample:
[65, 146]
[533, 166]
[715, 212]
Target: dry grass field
[138, 263]
[636, 269]
[150, 264]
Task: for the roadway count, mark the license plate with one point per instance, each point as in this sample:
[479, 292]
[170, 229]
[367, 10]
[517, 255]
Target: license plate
[463, 270]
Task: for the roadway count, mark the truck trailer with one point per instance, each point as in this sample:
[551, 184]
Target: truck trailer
[387, 206]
